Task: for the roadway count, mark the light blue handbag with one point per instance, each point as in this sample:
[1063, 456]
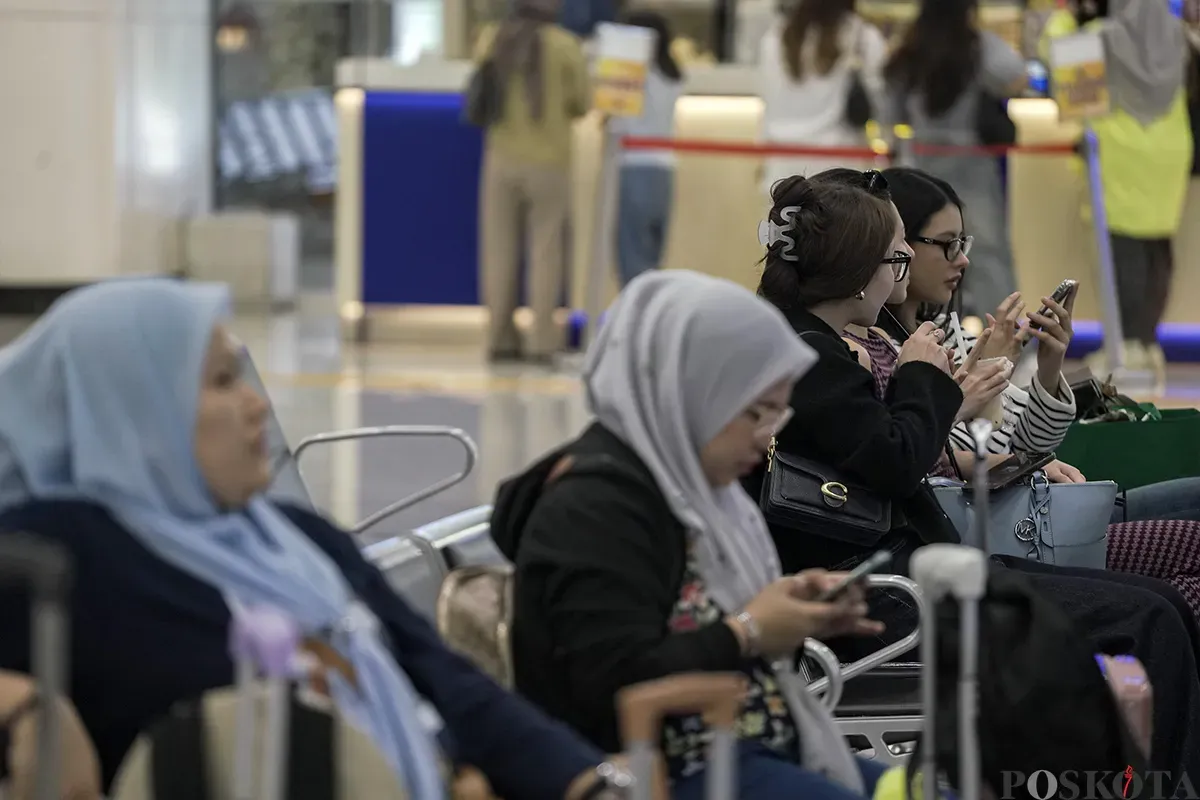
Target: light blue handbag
[1065, 524]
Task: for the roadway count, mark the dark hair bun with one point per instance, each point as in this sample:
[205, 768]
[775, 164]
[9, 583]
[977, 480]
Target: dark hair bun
[791, 191]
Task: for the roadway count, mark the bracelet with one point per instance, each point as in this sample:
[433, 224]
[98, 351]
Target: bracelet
[753, 633]
[611, 782]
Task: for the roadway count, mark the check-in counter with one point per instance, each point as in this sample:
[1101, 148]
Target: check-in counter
[407, 210]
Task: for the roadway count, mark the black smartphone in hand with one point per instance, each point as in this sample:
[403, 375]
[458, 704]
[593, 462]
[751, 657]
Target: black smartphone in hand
[858, 574]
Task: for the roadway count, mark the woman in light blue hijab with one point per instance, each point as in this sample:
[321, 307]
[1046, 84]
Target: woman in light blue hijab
[128, 435]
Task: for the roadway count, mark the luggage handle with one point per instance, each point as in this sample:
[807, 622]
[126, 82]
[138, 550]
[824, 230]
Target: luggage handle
[46, 569]
[961, 572]
[641, 707]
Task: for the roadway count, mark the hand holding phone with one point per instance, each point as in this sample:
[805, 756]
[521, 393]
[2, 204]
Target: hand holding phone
[1052, 327]
[856, 576]
[1062, 295]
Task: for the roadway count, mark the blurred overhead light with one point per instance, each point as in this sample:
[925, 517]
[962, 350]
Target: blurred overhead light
[233, 38]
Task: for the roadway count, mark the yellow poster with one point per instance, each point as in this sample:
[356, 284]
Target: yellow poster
[1078, 76]
[619, 77]
[620, 87]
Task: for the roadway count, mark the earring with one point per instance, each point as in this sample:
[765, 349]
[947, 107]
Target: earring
[861, 295]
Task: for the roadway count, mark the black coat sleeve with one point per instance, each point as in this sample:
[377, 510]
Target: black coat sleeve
[611, 557]
[890, 444]
[521, 751]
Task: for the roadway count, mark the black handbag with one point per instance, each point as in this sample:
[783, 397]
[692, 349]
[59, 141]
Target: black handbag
[992, 123]
[483, 100]
[804, 495]
[858, 102]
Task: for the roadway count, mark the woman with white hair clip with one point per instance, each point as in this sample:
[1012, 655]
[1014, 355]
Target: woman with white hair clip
[141, 450]
[638, 554]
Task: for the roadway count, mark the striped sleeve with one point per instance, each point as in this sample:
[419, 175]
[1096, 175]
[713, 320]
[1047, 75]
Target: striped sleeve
[1039, 419]
[1047, 416]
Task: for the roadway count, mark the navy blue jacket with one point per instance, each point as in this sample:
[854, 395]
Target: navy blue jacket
[145, 635]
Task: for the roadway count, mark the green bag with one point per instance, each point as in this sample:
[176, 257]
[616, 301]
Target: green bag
[1162, 446]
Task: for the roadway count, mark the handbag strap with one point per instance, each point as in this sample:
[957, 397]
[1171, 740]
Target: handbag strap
[1039, 512]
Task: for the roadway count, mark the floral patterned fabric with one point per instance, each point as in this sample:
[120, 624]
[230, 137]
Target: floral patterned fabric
[765, 717]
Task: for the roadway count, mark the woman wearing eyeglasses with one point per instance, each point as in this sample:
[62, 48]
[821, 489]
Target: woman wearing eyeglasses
[830, 267]
[836, 252]
[1031, 420]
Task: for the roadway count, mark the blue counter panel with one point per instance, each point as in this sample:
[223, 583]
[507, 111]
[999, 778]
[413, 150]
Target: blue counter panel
[420, 198]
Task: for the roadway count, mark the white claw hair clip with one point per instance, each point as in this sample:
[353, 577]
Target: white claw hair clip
[771, 233]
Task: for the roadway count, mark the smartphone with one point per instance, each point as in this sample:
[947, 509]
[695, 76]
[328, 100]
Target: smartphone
[1016, 467]
[857, 575]
[1064, 290]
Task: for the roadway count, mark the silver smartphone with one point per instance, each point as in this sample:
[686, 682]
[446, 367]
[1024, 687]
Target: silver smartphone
[857, 575]
[1064, 290]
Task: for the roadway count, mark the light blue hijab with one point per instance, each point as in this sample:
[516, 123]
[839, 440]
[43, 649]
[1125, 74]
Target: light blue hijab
[98, 401]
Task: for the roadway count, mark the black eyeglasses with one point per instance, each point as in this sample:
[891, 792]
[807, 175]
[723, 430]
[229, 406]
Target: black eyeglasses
[953, 248]
[899, 263]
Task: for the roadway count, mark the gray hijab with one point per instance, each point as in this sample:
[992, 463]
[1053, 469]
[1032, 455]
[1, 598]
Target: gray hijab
[680, 356]
[1146, 51]
[518, 48]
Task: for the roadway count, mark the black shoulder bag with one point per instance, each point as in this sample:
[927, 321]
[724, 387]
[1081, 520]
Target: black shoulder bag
[801, 494]
[805, 495]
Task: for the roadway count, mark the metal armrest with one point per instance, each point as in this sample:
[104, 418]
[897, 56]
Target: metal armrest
[889, 653]
[448, 531]
[833, 684]
[408, 431]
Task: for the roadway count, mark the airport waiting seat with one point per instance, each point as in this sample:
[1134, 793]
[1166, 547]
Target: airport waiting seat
[413, 568]
[464, 539]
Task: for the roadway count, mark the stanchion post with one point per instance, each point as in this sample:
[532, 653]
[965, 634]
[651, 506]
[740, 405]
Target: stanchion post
[1113, 335]
[619, 90]
[604, 222]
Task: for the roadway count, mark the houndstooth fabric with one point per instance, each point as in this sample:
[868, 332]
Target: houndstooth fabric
[1166, 549]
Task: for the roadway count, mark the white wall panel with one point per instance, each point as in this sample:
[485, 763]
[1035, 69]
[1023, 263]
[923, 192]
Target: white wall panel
[105, 147]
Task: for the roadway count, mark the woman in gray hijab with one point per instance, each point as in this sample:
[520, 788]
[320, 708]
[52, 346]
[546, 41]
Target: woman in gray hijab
[639, 555]
[538, 84]
[1145, 158]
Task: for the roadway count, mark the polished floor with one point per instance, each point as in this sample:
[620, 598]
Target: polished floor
[318, 383]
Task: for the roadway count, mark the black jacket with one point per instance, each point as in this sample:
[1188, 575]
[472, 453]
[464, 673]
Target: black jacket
[145, 635]
[599, 566]
[889, 445]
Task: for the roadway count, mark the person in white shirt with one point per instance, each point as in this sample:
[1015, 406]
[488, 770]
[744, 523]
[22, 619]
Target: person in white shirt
[807, 70]
[648, 176]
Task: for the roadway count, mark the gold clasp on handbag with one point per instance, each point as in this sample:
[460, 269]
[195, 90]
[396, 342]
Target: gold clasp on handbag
[835, 494]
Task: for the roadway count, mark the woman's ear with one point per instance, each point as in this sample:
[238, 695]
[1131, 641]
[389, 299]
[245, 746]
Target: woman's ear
[864, 358]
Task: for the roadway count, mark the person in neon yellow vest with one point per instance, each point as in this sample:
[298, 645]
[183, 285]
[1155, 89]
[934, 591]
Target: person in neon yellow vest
[1146, 151]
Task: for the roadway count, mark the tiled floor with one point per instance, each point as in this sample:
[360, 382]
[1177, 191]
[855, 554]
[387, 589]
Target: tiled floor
[318, 383]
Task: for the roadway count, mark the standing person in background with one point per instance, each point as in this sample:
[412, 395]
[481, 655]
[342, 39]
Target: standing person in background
[541, 79]
[944, 71]
[648, 176]
[1145, 158]
[807, 70]
[581, 17]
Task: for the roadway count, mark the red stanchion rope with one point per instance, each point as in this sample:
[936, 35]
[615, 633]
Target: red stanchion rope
[714, 147]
